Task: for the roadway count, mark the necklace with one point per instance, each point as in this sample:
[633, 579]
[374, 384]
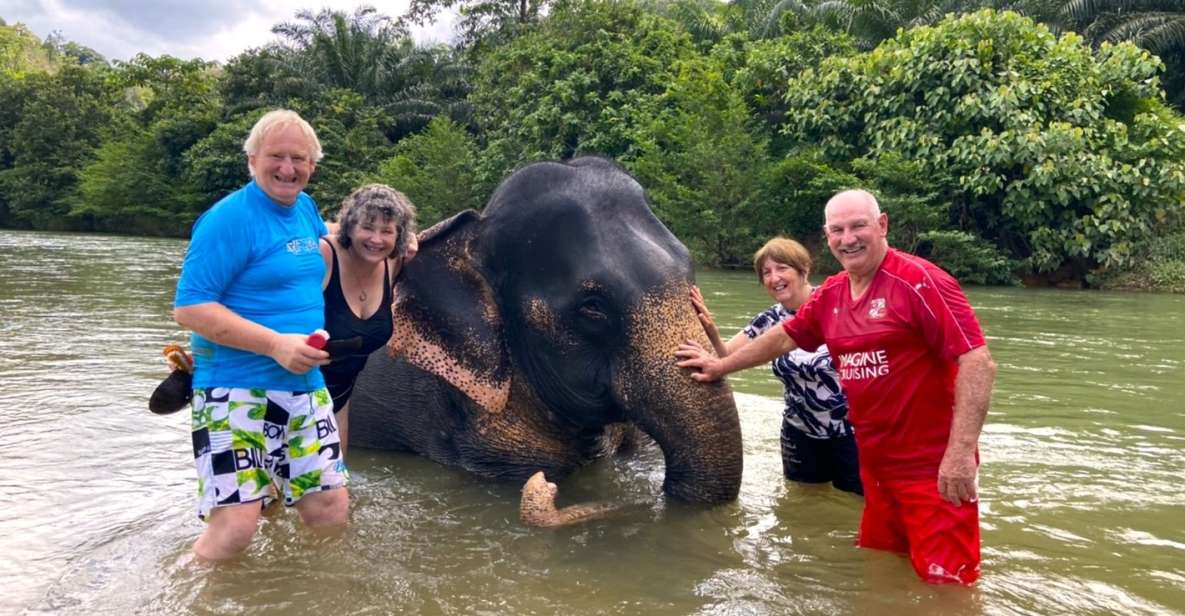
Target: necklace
[362, 295]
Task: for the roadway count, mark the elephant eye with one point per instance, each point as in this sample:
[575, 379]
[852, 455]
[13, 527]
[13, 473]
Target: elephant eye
[593, 308]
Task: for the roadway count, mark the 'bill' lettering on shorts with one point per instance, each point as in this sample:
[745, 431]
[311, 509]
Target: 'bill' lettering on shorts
[247, 458]
[325, 428]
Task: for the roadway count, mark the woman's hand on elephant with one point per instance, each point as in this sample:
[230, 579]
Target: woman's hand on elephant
[413, 247]
[704, 367]
[708, 322]
[294, 354]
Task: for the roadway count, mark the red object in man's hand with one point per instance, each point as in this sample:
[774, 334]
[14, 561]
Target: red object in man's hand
[317, 339]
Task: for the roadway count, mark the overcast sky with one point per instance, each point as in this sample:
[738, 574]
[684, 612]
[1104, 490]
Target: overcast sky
[209, 29]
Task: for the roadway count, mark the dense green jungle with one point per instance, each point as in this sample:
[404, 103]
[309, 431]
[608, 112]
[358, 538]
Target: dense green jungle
[1035, 142]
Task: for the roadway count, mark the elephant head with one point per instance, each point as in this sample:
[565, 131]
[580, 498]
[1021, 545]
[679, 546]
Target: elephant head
[523, 332]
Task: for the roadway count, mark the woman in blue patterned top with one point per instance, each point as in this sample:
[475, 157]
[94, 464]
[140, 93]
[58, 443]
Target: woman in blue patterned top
[817, 441]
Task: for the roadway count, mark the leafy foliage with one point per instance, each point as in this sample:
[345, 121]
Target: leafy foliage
[770, 64]
[483, 23]
[340, 50]
[586, 81]
[21, 52]
[997, 148]
[1061, 155]
[1161, 267]
[435, 169]
[353, 140]
[57, 126]
[697, 161]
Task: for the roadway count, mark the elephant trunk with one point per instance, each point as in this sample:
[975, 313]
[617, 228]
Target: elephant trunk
[695, 424]
[702, 448]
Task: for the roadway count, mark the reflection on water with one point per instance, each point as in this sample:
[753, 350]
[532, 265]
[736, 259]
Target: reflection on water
[1082, 496]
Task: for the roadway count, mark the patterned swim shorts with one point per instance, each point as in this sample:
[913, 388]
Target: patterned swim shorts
[245, 440]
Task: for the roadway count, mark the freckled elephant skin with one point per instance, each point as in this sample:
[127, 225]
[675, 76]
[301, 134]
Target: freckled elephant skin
[526, 335]
[537, 506]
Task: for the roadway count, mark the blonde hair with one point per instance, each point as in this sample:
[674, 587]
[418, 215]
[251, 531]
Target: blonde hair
[278, 119]
[785, 251]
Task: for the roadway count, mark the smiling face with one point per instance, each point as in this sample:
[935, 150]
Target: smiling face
[374, 240]
[856, 232]
[283, 164]
[783, 283]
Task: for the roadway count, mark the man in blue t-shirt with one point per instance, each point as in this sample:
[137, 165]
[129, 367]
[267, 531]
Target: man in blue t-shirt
[250, 290]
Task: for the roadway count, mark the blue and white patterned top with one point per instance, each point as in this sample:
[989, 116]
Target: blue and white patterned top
[815, 403]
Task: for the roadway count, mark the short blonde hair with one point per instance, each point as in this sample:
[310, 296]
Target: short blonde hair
[279, 119]
[785, 251]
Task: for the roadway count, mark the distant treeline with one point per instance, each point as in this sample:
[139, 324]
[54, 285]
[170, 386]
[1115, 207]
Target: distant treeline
[1003, 148]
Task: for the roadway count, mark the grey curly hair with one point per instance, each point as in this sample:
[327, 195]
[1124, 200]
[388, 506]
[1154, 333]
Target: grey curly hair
[377, 202]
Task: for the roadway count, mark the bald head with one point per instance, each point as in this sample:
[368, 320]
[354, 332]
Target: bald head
[857, 232]
[855, 198]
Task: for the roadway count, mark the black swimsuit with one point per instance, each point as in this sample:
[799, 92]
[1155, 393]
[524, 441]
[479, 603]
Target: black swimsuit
[343, 324]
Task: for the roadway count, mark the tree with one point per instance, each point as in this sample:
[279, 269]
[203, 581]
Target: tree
[484, 23]
[215, 166]
[267, 76]
[368, 53]
[136, 181]
[770, 64]
[707, 21]
[1155, 25]
[61, 50]
[123, 189]
[585, 81]
[425, 82]
[161, 86]
[343, 51]
[435, 169]
[61, 119]
[1060, 155]
[353, 140]
[21, 52]
[701, 165]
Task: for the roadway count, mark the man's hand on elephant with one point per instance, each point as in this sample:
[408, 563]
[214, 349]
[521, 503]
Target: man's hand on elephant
[295, 355]
[705, 367]
[956, 477]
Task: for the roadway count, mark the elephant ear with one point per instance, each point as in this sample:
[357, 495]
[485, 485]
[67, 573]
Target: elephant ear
[446, 318]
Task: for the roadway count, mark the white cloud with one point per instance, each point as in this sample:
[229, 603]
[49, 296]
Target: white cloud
[119, 29]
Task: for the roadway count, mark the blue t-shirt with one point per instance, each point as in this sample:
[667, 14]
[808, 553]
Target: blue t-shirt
[815, 403]
[261, 260]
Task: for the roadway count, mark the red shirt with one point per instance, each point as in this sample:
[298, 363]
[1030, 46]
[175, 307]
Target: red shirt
[895, 349]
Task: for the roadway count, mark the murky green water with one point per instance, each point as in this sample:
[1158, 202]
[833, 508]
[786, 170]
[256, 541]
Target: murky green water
[1082, 491]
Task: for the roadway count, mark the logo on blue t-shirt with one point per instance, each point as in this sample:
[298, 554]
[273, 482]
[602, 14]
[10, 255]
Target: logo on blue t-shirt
[302, 245]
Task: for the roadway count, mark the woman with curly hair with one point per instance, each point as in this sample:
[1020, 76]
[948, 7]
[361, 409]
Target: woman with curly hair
[375, 235]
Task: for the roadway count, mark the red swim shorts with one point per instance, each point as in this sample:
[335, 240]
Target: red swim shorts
[909, 516]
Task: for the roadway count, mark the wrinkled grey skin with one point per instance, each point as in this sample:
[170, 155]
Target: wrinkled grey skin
[527, 336]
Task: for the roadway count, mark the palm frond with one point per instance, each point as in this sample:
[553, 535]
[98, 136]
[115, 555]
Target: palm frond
[1156, 32]
[774, 16]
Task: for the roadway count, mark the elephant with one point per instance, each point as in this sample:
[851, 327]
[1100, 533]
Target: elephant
[533, 335]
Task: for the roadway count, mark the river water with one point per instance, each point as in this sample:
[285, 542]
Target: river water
[1082, 498]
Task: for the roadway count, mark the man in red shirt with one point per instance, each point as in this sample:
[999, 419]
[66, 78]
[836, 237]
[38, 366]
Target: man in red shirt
[918, 375]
